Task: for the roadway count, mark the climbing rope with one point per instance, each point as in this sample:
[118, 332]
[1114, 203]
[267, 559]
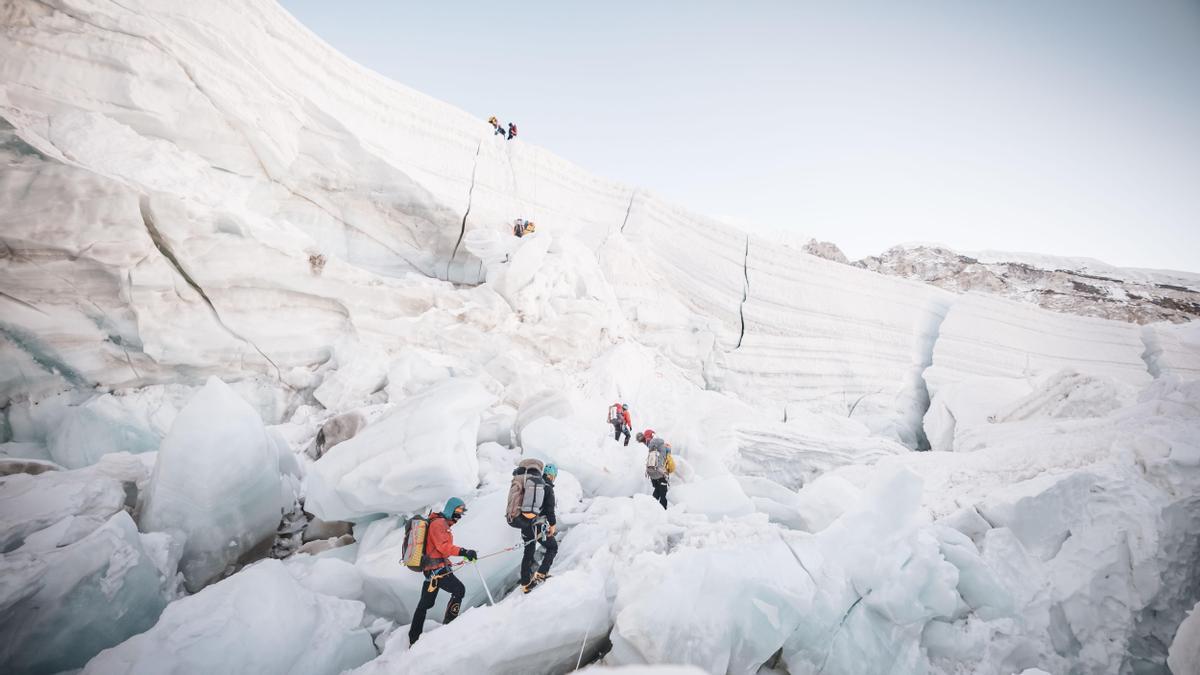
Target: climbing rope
[453, 566]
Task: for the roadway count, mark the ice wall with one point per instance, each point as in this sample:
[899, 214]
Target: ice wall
[203, 144]
[995, 360]
[216, 484]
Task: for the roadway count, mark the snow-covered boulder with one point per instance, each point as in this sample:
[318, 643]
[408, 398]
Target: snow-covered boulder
[870, 608]
[1184, 655]
[714, 498]
[420, 452]
[98, 427]
[76, 588]
[258, 621]
[216, 484]
[668, 612]
[542, 632]
[29, 503]
[363, 373]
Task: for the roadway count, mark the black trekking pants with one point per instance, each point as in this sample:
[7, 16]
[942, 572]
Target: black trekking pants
[428, 597]
[618, 429]
[660, 490]
[527, 534]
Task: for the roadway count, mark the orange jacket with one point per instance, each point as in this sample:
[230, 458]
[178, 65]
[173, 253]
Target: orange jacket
[439, 543]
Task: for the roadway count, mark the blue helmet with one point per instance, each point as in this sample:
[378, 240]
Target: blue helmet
[550, 472]
[452, 505]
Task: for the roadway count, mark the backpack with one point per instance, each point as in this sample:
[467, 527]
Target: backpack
[669, 464]
[527, 490]
[614, 414]
[654, 464]
[413, 554]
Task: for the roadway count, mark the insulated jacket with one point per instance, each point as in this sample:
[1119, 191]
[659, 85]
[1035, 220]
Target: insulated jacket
[548, 503]
[439, 543]
[622, 414]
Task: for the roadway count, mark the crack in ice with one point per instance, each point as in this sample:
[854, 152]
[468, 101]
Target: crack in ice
[161, 244]
[745, 293]
[470, 193]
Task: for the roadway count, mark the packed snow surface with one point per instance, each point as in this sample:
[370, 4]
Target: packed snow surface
[258, 301]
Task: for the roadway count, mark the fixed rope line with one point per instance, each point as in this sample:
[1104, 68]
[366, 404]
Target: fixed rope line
[452, 566]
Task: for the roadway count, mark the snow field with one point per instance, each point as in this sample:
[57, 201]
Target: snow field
[206, 190]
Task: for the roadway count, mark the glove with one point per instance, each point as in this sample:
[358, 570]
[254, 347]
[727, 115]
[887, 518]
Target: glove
[553, 529]
[468, 554]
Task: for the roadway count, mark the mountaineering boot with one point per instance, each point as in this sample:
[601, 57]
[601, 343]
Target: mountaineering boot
[537, 580]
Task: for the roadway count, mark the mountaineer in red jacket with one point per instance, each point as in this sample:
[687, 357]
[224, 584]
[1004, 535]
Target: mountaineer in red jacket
[618, 417]
[439, 546]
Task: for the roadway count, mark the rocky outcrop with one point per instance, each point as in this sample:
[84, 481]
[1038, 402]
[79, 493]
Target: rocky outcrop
[1138, 299]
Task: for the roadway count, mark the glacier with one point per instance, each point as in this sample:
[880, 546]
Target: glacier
[253, 292]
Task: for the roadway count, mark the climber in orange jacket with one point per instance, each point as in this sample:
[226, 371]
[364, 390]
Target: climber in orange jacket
[439, 546]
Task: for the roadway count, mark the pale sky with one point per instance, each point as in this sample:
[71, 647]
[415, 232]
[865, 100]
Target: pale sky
[1069, 127]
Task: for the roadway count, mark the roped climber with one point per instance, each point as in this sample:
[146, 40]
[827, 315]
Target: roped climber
[497, 129]
[439, 546]
[545, 526]
[512, 131]
[530, 509]
[656, 465]
[618, 417]
[522, 227]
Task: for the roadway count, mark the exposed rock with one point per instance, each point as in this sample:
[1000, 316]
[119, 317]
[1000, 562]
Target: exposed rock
[1138, 299]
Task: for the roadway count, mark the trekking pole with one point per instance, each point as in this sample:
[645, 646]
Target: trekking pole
[491, 600]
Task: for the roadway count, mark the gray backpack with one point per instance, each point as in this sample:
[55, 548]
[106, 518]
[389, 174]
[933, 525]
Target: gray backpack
[527, 490]
[655, 459]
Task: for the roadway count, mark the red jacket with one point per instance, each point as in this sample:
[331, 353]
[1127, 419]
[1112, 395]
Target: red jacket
[439, 543]
[623, 414]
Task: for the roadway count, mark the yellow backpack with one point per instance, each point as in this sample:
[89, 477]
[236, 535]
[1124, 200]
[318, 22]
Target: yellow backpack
[669, 464]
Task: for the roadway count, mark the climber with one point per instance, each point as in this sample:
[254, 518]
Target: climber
[523, 227]
[545, 526]
[512, 131]
[439, 546]
[496, 128]
[531, 510]
[618, 417]
[656, 470]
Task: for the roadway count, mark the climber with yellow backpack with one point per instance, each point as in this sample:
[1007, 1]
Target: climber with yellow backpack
[522, 227]
[428, 545]
[659, 464]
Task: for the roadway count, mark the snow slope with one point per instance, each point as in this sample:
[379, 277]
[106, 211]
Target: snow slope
[198, 190]
[201, 145]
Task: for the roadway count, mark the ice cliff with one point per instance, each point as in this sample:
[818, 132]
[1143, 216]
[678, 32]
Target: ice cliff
[229, 250]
